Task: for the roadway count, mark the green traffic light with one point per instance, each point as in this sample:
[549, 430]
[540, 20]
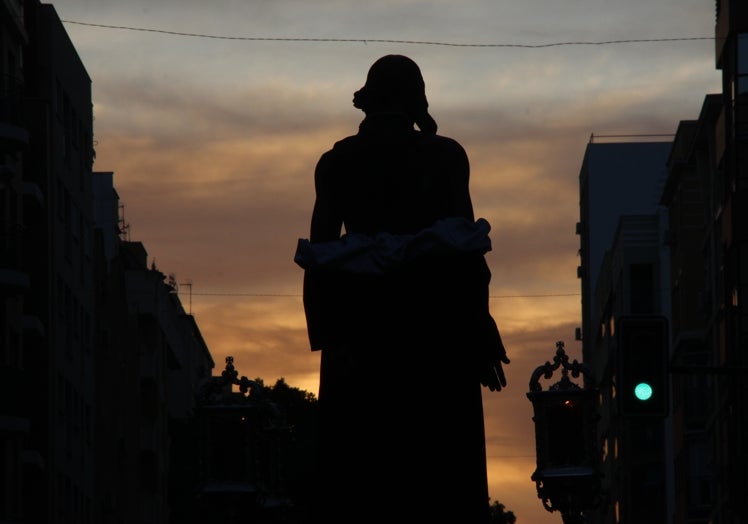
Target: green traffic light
[643, 391]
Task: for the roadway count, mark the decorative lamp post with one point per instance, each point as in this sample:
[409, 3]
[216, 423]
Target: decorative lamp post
[567, 476]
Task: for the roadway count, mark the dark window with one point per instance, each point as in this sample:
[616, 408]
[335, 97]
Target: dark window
[741, 87]
[147, 470]
[149, 399]
[742, 61]
[641, 280]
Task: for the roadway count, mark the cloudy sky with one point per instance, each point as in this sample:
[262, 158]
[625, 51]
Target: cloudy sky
[213, 114]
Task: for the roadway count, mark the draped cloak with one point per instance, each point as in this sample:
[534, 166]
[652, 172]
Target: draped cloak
[396, 299]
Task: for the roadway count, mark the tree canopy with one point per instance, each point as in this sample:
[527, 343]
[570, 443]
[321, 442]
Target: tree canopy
[499, 514]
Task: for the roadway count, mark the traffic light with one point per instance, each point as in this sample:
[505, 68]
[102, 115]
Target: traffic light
[642, 380]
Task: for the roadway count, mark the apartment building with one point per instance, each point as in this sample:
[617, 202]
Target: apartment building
[14, 278]
[623, 273]
[99, 361]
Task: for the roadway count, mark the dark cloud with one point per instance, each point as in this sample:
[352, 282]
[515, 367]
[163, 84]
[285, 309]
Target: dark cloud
[183, 115]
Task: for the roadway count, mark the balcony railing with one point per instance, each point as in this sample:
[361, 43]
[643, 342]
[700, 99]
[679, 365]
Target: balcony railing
[11, 100]
[11, 245]
[13, 134]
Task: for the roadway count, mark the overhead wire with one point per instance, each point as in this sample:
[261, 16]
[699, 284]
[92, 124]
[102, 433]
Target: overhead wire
[297, 295]
[385, 40]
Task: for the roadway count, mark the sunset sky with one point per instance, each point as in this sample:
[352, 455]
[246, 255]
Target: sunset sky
[213, 141]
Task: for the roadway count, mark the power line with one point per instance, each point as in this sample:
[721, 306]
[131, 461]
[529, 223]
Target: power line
[298, 295]
[511, 456]
[543, 295]
[385, 40]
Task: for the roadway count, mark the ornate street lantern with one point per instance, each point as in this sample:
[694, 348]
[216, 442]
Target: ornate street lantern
[240, 446]
[567, 476]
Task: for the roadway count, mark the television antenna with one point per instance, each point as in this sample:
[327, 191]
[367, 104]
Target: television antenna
[188, 283]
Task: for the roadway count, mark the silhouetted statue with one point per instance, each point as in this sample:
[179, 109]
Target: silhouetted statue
[396, 297]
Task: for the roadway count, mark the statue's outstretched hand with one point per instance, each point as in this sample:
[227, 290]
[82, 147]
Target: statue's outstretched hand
[492, 376]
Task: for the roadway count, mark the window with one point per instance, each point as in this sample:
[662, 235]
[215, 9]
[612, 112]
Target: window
[149, 399]
[60, 98]
[740, 94]
[742, 64]
[147, 470]
[642, 289]
[699, 480]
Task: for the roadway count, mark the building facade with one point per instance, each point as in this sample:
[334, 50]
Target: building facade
[703, 292]
[15, 280]
[58, 252]
[623, 273]
[726, 282]
[99, 362]
[707, 198]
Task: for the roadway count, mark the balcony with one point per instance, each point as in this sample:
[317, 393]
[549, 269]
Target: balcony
[13, 135]
[12, 274]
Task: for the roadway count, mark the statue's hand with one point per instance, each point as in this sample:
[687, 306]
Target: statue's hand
[493, 377]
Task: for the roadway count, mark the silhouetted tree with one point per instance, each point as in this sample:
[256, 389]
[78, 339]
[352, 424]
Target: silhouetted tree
[288, 397]
[499, 515]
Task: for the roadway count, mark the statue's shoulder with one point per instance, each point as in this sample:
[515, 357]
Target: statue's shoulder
[346, 145]
[442, 148]
[439, 141]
